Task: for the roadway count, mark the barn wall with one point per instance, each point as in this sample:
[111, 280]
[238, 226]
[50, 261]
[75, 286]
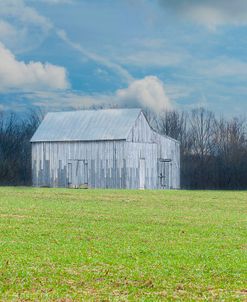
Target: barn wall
[110, 164]
[141, 132]
[106, 167]
[146, 152]
[167, 148]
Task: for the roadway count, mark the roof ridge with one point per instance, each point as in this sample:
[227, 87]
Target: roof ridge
[86, 125]
[94, 110]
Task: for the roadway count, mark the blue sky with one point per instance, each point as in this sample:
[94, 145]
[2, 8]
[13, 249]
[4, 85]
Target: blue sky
[161, 54]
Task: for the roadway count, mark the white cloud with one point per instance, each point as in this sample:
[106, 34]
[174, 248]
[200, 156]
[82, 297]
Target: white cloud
[210, 13]
[148, 92]
[30, 29]
[22, 28]
[33, 75]
[17, 9]
[33, 28]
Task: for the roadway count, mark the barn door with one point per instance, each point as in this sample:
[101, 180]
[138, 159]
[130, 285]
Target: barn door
[164, 170]
[142, 173]
[70, 174]
[77, 173]
[82, 175]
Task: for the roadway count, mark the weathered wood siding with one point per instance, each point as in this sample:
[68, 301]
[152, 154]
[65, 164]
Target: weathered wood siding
[167, 148]
[109, 164]
[147, 152]
[106, 167]
[141, 131]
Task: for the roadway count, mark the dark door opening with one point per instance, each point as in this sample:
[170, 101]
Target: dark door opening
[164, 173]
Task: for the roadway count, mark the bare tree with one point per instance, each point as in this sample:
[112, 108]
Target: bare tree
[213, 150]
[231, 153]
[15, 149]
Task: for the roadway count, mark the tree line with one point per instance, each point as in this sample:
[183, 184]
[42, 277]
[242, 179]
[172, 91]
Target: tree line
[213, 149]
[15, 148]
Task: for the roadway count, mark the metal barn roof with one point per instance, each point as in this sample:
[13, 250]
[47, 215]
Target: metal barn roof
[86, 125]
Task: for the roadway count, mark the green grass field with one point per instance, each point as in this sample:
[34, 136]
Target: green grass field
[95, 245]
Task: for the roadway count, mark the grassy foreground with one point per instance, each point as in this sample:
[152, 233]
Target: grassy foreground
[95, 245]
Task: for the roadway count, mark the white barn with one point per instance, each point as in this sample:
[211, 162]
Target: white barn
[113, 148]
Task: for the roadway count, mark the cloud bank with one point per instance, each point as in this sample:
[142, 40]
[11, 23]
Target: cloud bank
[16, 74]
[17, 9]
[40, 79]
[22, 28]
[148, 92]
[31, 28]
[210, 13]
